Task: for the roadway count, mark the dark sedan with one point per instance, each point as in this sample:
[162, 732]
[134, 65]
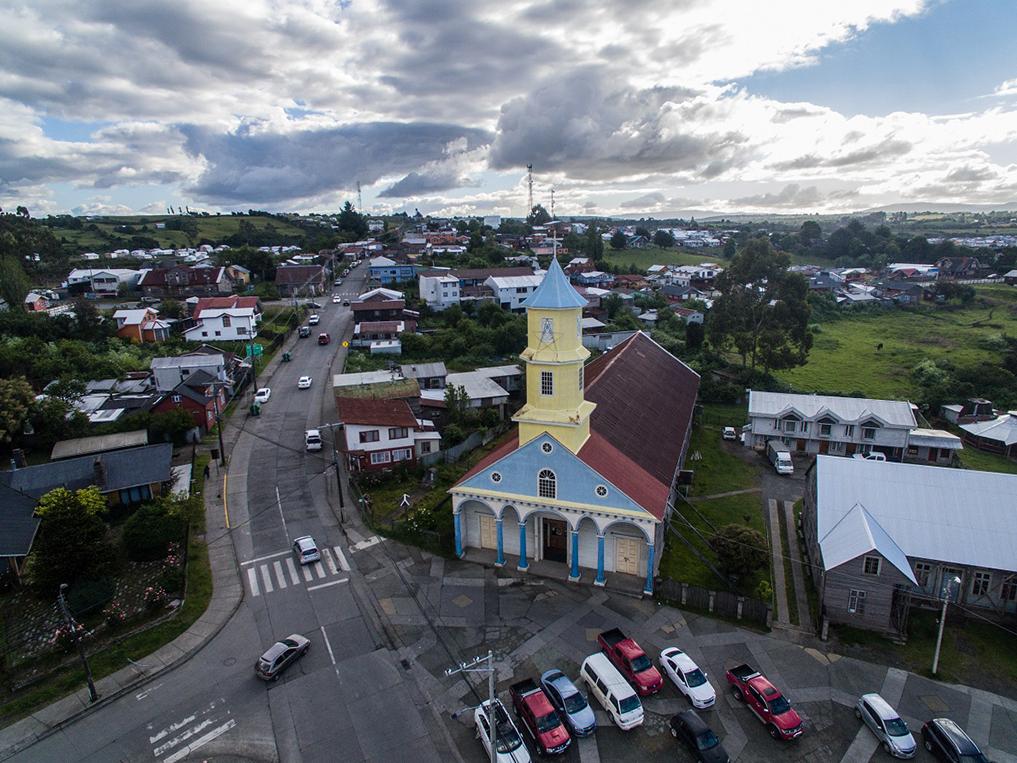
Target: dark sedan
[692, 731]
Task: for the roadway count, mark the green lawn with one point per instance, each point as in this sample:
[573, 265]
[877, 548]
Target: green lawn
[718, 471]
[643, 258]
[986, 462]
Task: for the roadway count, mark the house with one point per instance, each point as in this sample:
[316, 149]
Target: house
[826, 280]
[226, 324]
[377, 335]
[629, 281]
[380, 385]
[509, 378]
[901, 292]
[591, 325]
[637, 242]
[606, 340]
[85, 446]
[579, 265]
[182, 281]
[141, 326]
[511, 291]
[105, 282]
[439, 290]
[826, 424]
[883, 536]
[379, 305]
[480, 389]
[932, 446]
[169, 372]
[427, 375]
[240, 275]
[388, 271]
[125, 477]
[195, 305]
[35, 302]
[958, 267]
[1011, 277]
[587, 478]
[973, 409]
[18, 527]
[201, 394]
[375, 225]
[997, 435]
[594, 278]
[381, 433]
[675, 293]
[301, 280]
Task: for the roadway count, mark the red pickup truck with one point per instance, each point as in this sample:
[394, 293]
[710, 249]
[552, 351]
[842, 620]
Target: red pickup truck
[632, 661]
[538, 716]
[765, 700]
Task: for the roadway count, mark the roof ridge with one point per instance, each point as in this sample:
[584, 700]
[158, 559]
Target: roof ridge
[610, 361]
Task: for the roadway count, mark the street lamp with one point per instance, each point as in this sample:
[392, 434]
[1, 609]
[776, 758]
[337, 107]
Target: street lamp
[474, 666]
[945, 595]
[72, 626]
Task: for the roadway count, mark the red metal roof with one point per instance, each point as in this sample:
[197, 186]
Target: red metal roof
[212, 303]
[379, 327]
[355, 410]
[625, 474]
[298, 274]
[388, 304]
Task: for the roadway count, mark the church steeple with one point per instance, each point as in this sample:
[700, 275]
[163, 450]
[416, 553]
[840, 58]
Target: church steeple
[554, 359]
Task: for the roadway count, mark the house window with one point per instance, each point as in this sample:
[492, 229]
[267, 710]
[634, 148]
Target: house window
[825, 430]
[218, 333]
[871, 565]
[380, 457]
[856, 602]
[425, 446]
[242, 330]
[980, 583]
[204, 333]
[496, 477]
[849, 430]
[601, 491]
[546, 447]
[546, 383]
[547, 484]
[1009, 590]
[370, 435]
[398, 433]
[836, 447]
[912, 450]
[923, 570]
[402, 454]
[226, 321]
[176, 398]
[868, 433]
[789, 425]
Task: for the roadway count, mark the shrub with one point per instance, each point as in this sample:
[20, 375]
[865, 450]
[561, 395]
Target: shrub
[114, 614]
[149, 532]
[86, 595]
[740, 550]
[155, 597]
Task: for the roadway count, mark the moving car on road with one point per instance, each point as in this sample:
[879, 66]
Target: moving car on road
[280, 656]
[262, 395]
[324, 338]
[631, 660]
[689, 728]
[569, 702]
[336, 299]
[508, 744]
[947, 741]
[312, 439]
[304, 382]
[303, 332]
[686, 675]
[314, 320]
[306, 550]
[765, 701]
[886, 723]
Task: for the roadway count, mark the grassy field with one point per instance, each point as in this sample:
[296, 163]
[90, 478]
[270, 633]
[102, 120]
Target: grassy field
[213, 229]
[643, 258]
[845, 358]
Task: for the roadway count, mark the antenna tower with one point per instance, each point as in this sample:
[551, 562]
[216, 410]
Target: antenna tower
[552, 203]
[529, 183]
[360, 199]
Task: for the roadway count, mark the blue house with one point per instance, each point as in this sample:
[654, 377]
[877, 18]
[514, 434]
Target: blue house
[388, 271]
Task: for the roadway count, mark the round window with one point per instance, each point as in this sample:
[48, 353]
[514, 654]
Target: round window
[601, 490]
[546, 447]
[495, 476]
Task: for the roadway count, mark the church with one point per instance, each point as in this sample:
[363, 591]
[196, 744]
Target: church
[588, 476]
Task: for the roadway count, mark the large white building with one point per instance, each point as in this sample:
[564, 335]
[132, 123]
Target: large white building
[439, 291]
[224, 324]
[105, 280]
[511, 291]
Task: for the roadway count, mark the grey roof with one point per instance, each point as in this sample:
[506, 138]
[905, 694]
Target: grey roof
[555, 292]
[423, 370]
[477, 386]
[1003, 429]
[124, 468]
[934, 438]
[857, 533]
[18, 523]
[191, 360]
[82, 446]
[844, 409]
[959, 516]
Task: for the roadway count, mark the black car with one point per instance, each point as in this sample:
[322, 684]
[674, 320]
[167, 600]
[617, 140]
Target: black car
[689, 728]
[315, 305]
[947, 741]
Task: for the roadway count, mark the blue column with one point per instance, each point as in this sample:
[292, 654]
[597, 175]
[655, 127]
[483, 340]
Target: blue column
[600, 579]
[648, 588]
[523, 564]
[501, 546]
[457, 518]
[574, 574]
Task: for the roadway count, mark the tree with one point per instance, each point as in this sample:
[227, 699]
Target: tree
[618, 240]
[740, 550]
[87, 499]
[663, 238]
[810, 232]
[730, 248]
[171, 308]
[351, 221]
[16, 398]
[149, 531]
[14, 284]
[457, 403]
[594, 246]
[538, 216]
[694, 335]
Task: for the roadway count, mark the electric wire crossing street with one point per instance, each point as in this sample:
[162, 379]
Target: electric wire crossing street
[275, 573]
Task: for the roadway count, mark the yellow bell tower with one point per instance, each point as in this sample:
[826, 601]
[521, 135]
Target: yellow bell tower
[554, 359]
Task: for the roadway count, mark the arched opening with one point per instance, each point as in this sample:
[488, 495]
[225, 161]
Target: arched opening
[551, 532]
[478, 523]
[625, 548]
[547, 484]
[587, 542]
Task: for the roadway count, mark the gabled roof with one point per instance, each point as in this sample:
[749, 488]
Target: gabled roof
[124, 468]
[381, 294]
[480, 274]
[134, 317]
[555, 292]
[379, 326]
[1002, 429]
[298, 275]
[858, 533]
[195, 276]
[18, 523]
[395, 413]
[82, 446]
[233, 301]
[896, 413]
[423, 370]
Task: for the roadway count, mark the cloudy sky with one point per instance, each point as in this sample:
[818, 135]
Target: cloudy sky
[635, 107]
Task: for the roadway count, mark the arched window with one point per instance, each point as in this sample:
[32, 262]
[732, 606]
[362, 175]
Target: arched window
[547, 486]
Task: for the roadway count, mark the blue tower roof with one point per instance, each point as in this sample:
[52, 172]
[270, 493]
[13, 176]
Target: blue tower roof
[555, 292]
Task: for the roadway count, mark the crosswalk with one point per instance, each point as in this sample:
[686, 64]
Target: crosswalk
[182, 738]
[276, 574]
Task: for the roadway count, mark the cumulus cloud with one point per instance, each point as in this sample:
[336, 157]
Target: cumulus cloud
[1009, 87]
[646, 201]
[451, 171]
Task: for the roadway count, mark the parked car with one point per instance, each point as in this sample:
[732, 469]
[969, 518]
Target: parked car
[304, 382]
[313, 305]
[729, 433]
[262, 395]
[303, 332]
[312, 439]
[313, 320]
[873, 455]
[346, 303]
[338, 282]
[780, 457]
[306, 550]
[324, 338]
[569, 702]
[688, 728]
[631, 660]
[280, 656]
[612, 691]
[508, 743]
[886, 723]
[947, 741]
[765, 701]
[686, 675]
[538, 717]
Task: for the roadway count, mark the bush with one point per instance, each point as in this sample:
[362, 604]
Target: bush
[149, 532]
[740, 550]
[87, 595]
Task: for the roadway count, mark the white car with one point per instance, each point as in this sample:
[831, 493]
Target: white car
[509, 743]
[313, 320]
[874, 455]
[336, 299]
[262, 395]
[312, 439]
[686, 675]
[729, 433]
[306, 550]
[304, 382]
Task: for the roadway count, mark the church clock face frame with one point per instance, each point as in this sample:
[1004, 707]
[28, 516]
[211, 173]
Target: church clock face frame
[546, 330]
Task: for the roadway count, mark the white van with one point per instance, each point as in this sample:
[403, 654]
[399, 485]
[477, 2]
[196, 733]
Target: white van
[612, 691]
[312, 439]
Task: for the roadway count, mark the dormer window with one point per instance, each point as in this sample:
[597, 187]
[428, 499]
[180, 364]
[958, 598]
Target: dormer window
[869, 430]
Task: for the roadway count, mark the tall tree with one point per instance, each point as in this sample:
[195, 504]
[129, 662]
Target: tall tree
[538, 216]
[663, 238]
[618, 240]
[351, 221]
[810, 232]
[594, 246]
[16, 399]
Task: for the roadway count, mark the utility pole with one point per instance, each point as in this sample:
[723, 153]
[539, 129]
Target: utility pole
[218, 420]
[473, 666]
[945, 593]
[552, 204]
[338, 471]
[93, 695]
[360, 200]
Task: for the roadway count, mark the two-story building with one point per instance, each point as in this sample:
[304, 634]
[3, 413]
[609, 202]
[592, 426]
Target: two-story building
[169, 372]
[103, 281]
[378, 305]
[512, 291]
[201, 394]
[439, 290]
[301, 280]
[839, 426]
[224, 324]
[387, 271]
[181, 281]
[383, 433]
[141, 326]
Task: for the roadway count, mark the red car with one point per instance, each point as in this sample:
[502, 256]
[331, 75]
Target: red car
[324, 339]
[539, 718]
[765, 700]
[632, 661]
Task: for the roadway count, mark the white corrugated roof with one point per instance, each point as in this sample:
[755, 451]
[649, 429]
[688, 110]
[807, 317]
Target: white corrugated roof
[844, 409]
[934, 438]
[858, 533]
[477, 387]
[1003, 428]
[959, 516]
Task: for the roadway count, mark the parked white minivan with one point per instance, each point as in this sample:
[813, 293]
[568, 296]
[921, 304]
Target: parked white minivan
[612, 691]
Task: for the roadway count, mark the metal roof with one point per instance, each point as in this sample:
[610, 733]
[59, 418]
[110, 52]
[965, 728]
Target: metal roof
[82, 446]
[844, 409]
[1002, 429]
[555, 292]
[857, 533]
[123, 469]
[934, 438]
[18, 523]
[477, 386]
[423, 370]
[960, 516]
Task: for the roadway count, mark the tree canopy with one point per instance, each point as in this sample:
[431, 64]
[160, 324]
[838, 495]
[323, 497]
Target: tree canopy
[538, 216]
[740, 550]
[618, 240]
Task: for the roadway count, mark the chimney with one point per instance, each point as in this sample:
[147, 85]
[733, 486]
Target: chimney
[99, 471]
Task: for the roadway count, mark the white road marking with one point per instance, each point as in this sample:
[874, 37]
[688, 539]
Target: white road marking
[330, 562]
[326, 585]
[263, 558]
[278, 501]
[307, 573]
[343, 564]
[320, 569]
[142, 694]
[293, 570]
[201, 741]
[252, 579]
[327, 645]
[157, 751]
[266, 578]
[172, 727]
[373, 540]
[277, 565]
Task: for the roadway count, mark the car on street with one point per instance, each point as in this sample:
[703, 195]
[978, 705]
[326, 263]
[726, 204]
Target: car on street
[324, 338]
[686, 675]
[338, 282]
[687, 727]
[303, 332]
[887, 725]
[262, 395]
[570, 703]
[508, 742]
[631, 660]
[312, 439]
[336, 299]
[280, 656]
[538, 716]
[765, 701]
[306, 550]
[346, 303]
[313, 320]
[947, 741]
[729, 433]
[313, 305]
[304, 382]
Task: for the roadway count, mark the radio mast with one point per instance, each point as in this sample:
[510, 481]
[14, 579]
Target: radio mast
[529, 183]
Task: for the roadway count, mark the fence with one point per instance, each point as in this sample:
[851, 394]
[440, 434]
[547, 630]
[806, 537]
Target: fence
[722, 603]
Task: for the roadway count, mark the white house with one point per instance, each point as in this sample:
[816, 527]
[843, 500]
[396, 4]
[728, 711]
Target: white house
[511, 291]
[439, 291]
[104, 281]
[225, 324]
[169, 372]
[381, 434]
